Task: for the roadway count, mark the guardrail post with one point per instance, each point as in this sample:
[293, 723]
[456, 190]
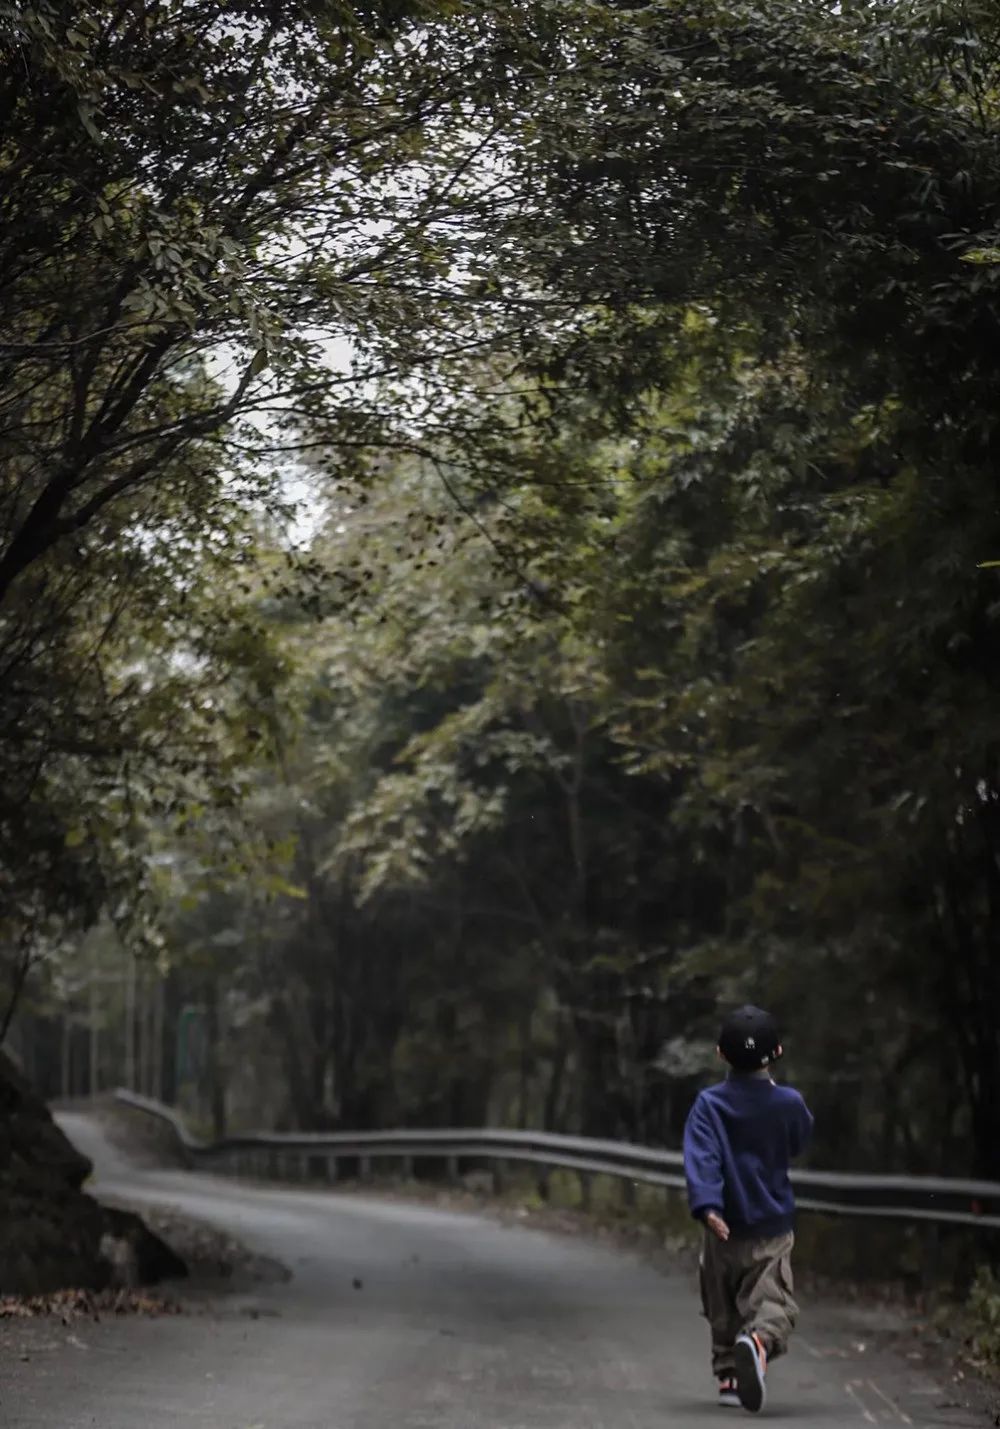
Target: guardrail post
[628, 1193]
[407, 1168]
[331, 1169]
[453, 1169]
[364, 1168]
[499, 1177]
[542, 1182]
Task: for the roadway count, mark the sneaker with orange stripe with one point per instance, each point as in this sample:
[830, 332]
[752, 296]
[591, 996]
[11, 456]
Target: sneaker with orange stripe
[750, 1358]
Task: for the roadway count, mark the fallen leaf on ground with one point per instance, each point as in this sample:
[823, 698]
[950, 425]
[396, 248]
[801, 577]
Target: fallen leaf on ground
[72, 1304]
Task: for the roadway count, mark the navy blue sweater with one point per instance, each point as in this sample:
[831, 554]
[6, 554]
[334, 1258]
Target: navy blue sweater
[738, 1141]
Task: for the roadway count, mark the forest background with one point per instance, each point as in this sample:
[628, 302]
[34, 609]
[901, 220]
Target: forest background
[499, 528]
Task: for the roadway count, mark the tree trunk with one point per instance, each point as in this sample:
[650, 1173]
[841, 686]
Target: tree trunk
[968, 989]
[142, 1031]
[130, 976]
[67, 1052]
[171, 1016]
[298, 1086]
[19, 976]
[553, 1092]
[158, 1050]
[216, 1080]
[95, 1042]
[524, 1071]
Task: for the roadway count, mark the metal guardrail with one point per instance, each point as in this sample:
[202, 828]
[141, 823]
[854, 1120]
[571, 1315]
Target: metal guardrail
[317, 1156]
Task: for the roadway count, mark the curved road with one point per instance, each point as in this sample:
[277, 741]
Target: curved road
[459, 1323]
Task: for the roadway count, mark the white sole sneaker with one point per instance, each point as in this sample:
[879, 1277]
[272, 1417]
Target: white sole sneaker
[749, 1374]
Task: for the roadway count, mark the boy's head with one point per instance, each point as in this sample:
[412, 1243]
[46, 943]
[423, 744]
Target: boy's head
[749, 1039]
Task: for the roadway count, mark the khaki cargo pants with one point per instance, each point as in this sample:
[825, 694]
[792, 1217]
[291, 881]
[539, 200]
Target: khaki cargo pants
[746, 1285]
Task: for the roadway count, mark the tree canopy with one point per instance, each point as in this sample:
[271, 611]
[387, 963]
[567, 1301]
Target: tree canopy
[640, 361]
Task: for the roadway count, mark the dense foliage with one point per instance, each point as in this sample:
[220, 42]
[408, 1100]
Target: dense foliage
[642, 659]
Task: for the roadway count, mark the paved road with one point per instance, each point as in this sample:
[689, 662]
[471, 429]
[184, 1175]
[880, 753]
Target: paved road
[460, 1323]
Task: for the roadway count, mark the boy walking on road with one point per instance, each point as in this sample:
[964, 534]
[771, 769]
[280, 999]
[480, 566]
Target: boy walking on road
[738, 1141]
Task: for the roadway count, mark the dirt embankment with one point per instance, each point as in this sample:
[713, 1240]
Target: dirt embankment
[53, 1236]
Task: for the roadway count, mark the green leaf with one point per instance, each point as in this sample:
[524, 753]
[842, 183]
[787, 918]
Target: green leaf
[982, 255]
[86, 111]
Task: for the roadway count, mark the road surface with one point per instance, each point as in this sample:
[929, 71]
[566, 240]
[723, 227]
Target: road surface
[403, 1317]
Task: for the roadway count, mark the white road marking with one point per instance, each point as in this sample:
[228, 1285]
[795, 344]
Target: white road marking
[852, 1393]
[904, 1418]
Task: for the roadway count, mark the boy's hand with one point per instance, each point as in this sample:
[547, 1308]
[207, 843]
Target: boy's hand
[717, 1225]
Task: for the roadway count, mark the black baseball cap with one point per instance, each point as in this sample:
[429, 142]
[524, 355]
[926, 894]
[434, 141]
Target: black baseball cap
[749, 1039]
